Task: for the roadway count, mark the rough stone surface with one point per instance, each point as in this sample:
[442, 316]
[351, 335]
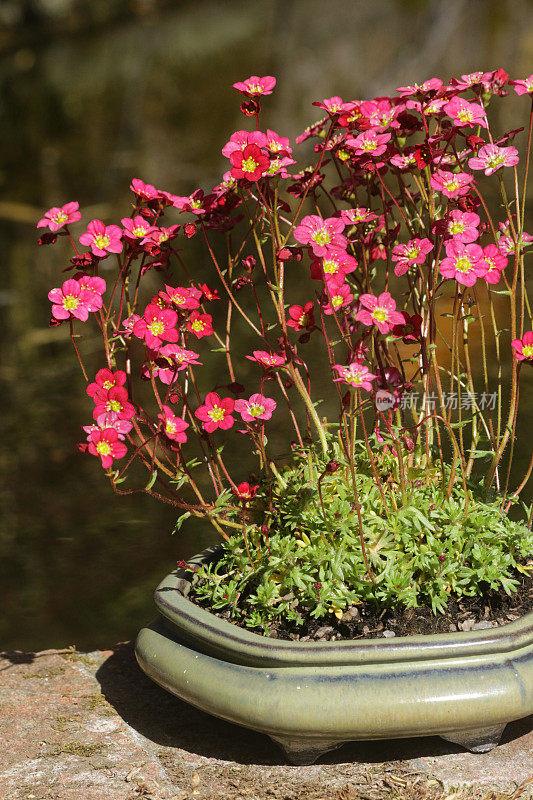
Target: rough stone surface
[78, 726]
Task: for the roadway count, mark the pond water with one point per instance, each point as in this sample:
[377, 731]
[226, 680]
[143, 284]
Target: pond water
[93, 94]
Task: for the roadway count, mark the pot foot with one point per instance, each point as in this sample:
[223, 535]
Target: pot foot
[304, 751]
[479, 740]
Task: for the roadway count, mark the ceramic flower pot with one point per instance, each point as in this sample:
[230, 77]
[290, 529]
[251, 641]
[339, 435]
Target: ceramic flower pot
[312, 697]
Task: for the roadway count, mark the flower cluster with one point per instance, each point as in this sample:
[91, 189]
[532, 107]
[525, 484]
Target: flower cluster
[380, 256]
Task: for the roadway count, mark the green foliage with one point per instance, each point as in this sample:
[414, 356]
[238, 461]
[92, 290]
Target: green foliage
[311, 562]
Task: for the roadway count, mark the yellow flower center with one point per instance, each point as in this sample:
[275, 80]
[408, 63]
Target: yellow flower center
[108, 385]
[198, 325]
[354, 378]
[465, 115]
[528, 350]
[452, 185]
[463, 264]
[139, 231]
[380, 314]
[156, 327]
[256, 410]
[456, 227]
[369, 144]
[195, 203]
[101, 240]
[330, 266]
[71, 302]
[216, 413]
[249, 165]
[60, 217]
[170, 427]
[103, 449]
[412, 252]
[114, 405]
[274, 146]
[321, 236]
[495, 161]
[337, 300]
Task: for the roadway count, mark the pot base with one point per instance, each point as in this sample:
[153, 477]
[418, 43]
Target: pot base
[480, 740]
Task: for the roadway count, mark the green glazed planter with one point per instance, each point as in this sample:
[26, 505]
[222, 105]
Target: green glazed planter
[312, 697]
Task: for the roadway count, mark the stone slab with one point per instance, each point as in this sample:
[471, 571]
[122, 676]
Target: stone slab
[89, 726]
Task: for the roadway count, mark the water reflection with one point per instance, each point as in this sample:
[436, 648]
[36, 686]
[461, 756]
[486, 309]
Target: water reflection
[93, 93]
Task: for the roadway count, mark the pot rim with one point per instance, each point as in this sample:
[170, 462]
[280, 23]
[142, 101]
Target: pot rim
[239, 645]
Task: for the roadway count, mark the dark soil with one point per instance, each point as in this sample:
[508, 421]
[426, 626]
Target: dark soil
[490, 610]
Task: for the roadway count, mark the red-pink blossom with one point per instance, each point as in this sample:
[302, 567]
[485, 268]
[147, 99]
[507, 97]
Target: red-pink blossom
[432, 84]
[109, 420]
[102, 239]
[241, 139]
[276, 144]
[451, 184]
[301, 317]
[96, 286]
[370, 143]
[507, 244]
[183, 297]
[156, 326]
[250, 163]
[178, 359]
[137, 229]
[71, 300]
[258, 407]
[254, 86]
[353, 216]
[144, 191]
[463, 262]
[523, 348]
[55, 218]
[106, 444]
[380, 114]
[494, 263]
[197, 203]
[356, 375]
[173, 427]
[491, 158]
[522, 85]
[379, 311]
[321, 234]
[413, 252]
[465, 114]
[216, 412]
[333, 105]
[410, 330]
[463, 226]
[245, 491]
[161, 235]
[469, 80]
[267, 360]
[338, 296]
[106, 379]
[113, 400]
[335, 265]
[200, 324]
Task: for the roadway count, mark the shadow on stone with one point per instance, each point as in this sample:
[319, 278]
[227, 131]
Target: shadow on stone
[16, 657]
[167, 721]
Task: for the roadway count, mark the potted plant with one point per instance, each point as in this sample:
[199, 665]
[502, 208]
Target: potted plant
[369, 323]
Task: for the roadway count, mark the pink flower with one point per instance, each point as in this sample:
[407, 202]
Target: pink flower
[156, 325]
[276, 144]
[451, 184]
[321, 234]
[333, 105]
[522, 85]
[250, 163]
[301, 317]
[173, 426]
[267, 360]
[105, 443]
[465, 114]
[200, 324]
[335, 265]
[144, 191]
[463, 262]
[109, 420]
[356, 375]
[507, 245]
[184, 297]
[413, 252]
[433, 84]
[254, 86]
[161, 235]
[71, 300]
[178, 359]
[102, 239]
[494, 262]
[410, 329]
[353, 216]
[490, 157]
[371, 142]
[196, 202]
[216, 413]
[96, 286]
[468, 80]
[137, 228]
[523, 348]
[245, 491]
[380, 113]
[106, 379]
[241, 139]
[379, 311]
[256, 408]
[56, 217]
[340, 295]
[463, 226]
[113, 400]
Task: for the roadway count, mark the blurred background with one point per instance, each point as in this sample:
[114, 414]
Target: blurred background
[93, 93]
